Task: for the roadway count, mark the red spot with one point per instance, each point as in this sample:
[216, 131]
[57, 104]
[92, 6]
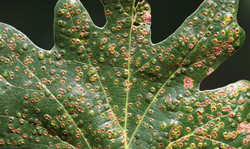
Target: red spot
[12, 47]
[108, 12]
[210, 71]
[244, 127]
[78, 21]
[188, 83]
[25, 136]
[191, 46]
[147, 17]
[1, 143]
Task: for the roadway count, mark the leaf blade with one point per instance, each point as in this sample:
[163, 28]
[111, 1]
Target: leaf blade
[117, 89]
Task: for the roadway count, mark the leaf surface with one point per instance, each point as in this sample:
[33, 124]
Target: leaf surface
[111, 87]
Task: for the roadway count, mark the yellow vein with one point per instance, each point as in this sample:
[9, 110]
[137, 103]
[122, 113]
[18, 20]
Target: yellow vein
[52, 95]
[103, 92]
[126, 145]
[98, 79]
[166, 83]
[192, 134]
[7, 116]
[57, 102]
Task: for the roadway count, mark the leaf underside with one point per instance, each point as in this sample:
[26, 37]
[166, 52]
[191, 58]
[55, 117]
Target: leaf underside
[111, 88]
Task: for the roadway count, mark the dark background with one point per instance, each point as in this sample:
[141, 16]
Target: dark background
[35, 19]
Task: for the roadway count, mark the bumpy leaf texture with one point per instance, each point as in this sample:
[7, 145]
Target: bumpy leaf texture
[111, 88]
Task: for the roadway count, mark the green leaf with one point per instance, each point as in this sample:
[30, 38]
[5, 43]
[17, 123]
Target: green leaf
[110, 87]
